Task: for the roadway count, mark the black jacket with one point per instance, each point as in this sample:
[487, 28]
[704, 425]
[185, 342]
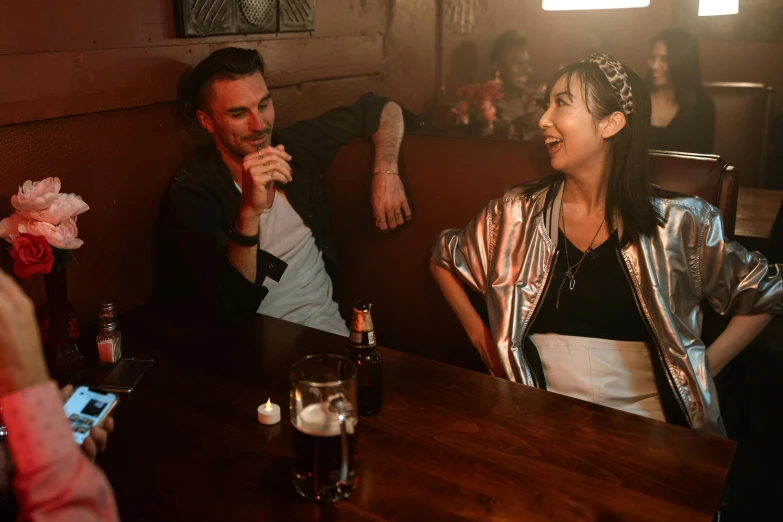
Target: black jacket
[202, 203]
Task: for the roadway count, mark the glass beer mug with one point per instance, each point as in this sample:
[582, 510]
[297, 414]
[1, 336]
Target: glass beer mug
[323, 418]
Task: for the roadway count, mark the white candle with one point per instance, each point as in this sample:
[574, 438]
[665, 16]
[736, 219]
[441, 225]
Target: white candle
[269, 413]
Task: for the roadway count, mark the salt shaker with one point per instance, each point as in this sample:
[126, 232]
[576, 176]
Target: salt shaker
[5, 461]
[109, 340]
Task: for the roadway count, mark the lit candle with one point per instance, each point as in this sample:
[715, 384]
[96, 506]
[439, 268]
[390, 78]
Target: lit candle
[269, 413]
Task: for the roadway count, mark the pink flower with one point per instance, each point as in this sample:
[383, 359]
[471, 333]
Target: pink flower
[59, 236]
[63, 207]
[462, 112]
[36, 195]
[490, 113]
[491, 90]
[9, 227]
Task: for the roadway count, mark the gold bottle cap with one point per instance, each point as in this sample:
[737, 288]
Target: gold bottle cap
[362, 329]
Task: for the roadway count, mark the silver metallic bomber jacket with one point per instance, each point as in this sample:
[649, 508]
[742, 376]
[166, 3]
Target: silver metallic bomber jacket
[507, 254]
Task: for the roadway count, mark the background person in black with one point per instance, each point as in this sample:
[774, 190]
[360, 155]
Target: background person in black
[252, 181]
[683, 116]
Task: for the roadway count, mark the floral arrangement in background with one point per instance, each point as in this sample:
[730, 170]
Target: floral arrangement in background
[475, 104]
[42, 231]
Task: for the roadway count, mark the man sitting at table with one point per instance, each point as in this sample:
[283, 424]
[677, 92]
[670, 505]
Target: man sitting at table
[243, 225]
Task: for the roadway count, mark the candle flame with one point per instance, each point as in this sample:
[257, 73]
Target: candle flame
[268, 405]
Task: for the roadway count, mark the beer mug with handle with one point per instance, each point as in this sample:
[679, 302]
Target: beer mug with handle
[323, 420]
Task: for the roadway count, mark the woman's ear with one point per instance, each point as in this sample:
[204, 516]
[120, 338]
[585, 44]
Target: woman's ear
[613, 124]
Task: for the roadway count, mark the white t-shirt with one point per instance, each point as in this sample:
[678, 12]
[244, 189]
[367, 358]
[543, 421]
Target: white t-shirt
[304, 293]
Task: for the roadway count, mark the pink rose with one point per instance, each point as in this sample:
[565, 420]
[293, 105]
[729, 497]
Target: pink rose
[63, 207]
[490, 113]
[59, 236]
[9, 227]
[462, 111]
[36, 195]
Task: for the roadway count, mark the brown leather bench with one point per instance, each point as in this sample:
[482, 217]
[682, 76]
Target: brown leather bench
[448, 181]
[704, 175]
[743, 113]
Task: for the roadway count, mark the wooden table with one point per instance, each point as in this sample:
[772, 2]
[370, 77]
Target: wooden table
[756, 211]
[449, 444]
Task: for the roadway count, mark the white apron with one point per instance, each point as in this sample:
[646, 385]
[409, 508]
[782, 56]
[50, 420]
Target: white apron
[617, 374]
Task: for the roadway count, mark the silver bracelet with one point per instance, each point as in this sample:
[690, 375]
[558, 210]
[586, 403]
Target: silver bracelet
[392, 172]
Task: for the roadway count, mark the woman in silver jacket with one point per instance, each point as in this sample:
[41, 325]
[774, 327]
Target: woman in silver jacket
[594, 279]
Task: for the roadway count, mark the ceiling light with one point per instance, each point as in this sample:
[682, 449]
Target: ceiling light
[582, 5]
[718, 7]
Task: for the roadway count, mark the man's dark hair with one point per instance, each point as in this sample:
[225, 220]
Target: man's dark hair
[506, 42]
[229, 63]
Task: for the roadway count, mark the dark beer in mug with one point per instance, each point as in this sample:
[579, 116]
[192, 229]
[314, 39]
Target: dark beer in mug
[319, 471]
[323, 426]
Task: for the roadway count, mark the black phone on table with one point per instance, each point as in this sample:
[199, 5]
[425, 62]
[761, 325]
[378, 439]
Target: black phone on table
[126, 375]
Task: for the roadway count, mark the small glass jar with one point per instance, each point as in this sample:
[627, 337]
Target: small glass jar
[5, 461]
[109, 339]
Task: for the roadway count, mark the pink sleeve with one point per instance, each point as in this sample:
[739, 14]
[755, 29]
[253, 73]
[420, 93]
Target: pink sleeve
[53, 481]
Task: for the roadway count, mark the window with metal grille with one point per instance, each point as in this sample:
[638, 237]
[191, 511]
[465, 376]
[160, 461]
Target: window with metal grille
[216, 17]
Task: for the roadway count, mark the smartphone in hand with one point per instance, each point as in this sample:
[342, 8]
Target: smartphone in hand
[88, 407]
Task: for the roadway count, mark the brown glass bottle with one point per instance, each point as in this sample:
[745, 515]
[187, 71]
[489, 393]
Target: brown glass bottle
[363, 352]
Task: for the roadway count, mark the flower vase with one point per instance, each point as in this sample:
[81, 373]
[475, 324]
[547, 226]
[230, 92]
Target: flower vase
[63, 357]
[475, 129]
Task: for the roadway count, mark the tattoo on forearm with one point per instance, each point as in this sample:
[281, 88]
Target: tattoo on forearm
[388, 137]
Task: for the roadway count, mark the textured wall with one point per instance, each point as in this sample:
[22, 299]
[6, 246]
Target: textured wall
[120, 163]
[95, 55]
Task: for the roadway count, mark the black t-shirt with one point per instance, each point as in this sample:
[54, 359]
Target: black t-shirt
[690, 131]
[601, 305]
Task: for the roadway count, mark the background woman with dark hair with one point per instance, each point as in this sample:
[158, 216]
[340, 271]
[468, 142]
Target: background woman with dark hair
[683, 116]
[594, 279]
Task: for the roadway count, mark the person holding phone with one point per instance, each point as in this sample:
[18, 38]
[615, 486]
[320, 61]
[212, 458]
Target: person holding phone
[98, 438]
[53, 480]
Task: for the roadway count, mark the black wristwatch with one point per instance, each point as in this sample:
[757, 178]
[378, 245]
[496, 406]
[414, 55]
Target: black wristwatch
[241, 239]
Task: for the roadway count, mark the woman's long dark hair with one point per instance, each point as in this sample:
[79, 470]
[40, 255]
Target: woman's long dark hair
[629, 194]
[682, 55]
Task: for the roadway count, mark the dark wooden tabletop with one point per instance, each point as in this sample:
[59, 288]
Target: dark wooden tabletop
[756, 211]
[449, 444]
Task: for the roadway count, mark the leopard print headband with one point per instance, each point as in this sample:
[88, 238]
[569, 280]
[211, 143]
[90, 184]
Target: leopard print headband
[617, 75]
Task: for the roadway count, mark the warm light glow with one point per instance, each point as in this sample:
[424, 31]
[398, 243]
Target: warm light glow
[582, 5]
[718, 7]
[268, 405]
